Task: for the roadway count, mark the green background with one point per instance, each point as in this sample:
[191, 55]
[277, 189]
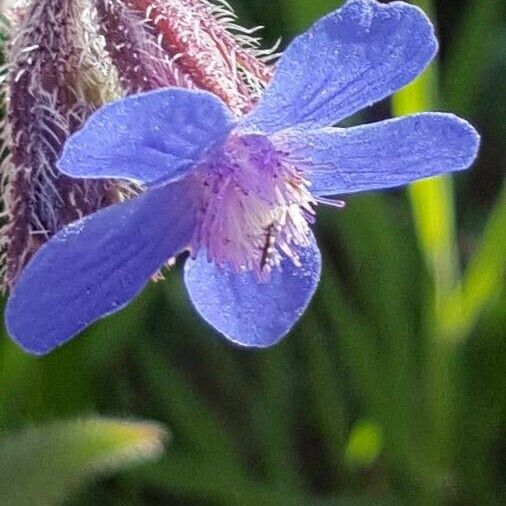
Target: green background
[391, 390]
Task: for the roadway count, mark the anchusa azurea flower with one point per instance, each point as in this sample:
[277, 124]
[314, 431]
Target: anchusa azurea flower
[66, 58]
[239, 192]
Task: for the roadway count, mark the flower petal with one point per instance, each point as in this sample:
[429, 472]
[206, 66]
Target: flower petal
[154, 136]
[95, 266]
[249, 312]
[385, 154]
[349, 59]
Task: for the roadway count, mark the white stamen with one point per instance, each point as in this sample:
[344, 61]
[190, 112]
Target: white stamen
[255, 207]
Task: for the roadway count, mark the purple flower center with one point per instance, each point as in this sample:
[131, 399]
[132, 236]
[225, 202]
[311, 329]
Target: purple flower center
[255, 206]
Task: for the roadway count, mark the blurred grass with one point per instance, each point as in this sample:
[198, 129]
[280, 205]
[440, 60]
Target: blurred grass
[392, 388]
[43, 465]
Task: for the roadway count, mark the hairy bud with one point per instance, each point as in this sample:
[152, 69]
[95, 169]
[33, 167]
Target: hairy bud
[46, 102]
[188, 43]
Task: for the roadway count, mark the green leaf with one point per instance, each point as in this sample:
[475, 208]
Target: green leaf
[43, 465]
[483, 279]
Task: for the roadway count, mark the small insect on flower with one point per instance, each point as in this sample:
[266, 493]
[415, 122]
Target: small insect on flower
[239, 193]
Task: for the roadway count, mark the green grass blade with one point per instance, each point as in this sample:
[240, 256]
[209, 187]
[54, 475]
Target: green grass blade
[432, 200]
[194, 424]
[483, 279]
[273, 417]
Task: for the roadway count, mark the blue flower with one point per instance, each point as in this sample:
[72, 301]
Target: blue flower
[239, 193]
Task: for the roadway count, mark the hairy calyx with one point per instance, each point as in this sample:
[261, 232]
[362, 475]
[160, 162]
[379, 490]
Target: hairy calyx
[255, 206]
